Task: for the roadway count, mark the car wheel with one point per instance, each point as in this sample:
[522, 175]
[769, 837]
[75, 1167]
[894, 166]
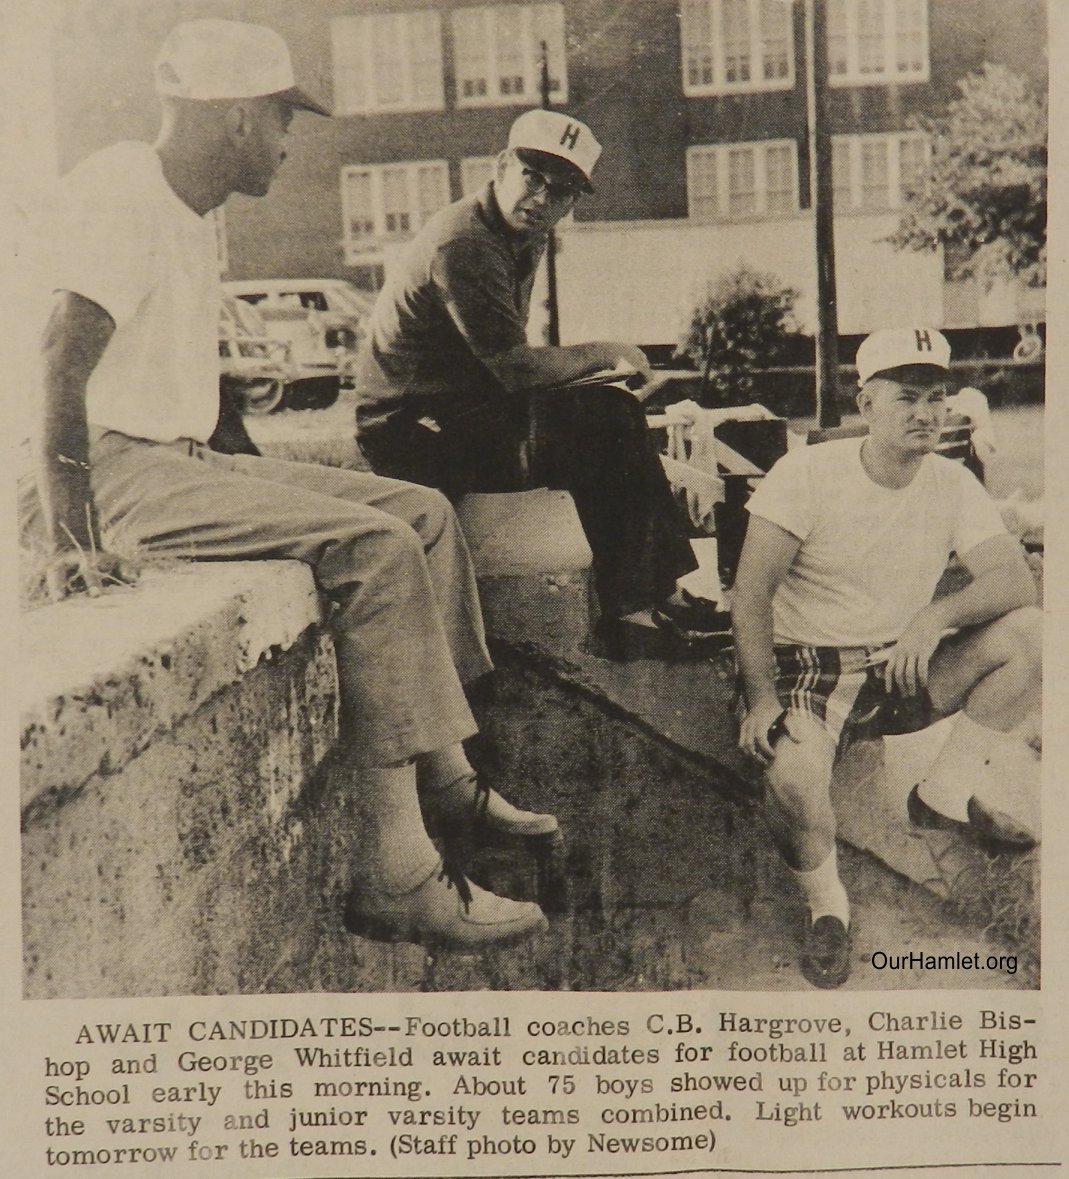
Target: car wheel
[260, 397]
[313, 392]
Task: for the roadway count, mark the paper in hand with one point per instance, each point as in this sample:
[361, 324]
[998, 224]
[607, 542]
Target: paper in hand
[622, 376]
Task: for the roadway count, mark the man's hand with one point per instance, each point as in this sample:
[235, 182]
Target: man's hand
[635, 358]
[73, 572]
[906, 670]
[754, 738]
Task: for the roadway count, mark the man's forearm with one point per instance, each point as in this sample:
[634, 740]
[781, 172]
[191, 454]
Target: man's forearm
[991, 595]
[75, 338]
[529, 367]
[63, 482]
[751, 621]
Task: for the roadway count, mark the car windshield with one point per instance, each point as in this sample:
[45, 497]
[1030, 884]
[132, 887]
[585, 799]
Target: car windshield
[338, 297]
[242, 317]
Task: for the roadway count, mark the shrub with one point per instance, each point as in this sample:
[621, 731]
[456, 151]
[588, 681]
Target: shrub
[742, 322]
[984, 195]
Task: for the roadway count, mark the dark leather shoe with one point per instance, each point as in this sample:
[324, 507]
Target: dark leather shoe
[693, 618]
[997, 831]
[994, 831]
[923, 816]
[826, 953]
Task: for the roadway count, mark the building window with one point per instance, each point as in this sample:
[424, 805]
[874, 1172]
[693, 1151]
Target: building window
[499, 54]
[877, 41]
[877, 172]
[476, 171]
[780, 184]
[736, 45]
[703, 187]
[387, 62]
[388, 203]
[368, 277]
[739, 180]
[742, 182]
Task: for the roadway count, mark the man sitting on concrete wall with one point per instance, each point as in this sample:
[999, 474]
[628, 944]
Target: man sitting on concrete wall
[131, 376]
[447, 377]
[834, 617]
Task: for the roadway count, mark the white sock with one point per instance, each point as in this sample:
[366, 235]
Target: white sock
[969, 763]
[824, 890]
[443, 767]
[396, 850]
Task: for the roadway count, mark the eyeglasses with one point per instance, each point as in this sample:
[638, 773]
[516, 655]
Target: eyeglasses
[555, 190]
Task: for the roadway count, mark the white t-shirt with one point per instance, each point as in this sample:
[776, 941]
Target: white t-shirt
[125, 241]
[871, 556]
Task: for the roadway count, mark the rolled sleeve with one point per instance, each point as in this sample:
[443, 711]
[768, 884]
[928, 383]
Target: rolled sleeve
[103, 249]
[978, 519]
[785, 495]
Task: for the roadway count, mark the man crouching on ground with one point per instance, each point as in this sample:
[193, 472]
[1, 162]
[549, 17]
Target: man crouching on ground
[834, 617]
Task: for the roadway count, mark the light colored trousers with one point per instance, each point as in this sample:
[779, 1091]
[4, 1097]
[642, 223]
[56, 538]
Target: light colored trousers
[407, 629]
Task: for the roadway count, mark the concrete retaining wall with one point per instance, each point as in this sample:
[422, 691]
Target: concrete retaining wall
[167, 734]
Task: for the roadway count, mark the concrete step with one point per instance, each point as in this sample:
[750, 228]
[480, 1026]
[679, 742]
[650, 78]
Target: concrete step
[533, 564]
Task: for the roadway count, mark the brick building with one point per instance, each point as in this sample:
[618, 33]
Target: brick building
[701, 107]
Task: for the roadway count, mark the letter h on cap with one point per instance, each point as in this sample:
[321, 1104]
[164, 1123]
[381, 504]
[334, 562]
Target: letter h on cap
[570, 137]
[924, 341]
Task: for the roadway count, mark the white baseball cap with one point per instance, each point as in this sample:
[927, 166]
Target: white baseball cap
[554, 133]
[208, 59]
[898, 347]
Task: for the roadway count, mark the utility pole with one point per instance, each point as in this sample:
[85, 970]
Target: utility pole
[553, 323]
[827, 342]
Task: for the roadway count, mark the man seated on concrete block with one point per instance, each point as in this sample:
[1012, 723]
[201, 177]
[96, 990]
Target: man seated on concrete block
[834, 617]
[447, 376]
[131, 376]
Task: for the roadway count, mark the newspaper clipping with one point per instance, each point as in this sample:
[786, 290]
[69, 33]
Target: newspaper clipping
[541, 673]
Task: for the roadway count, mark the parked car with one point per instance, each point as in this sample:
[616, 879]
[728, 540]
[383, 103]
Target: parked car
[255, 368]
[322, 319]
[340, 307]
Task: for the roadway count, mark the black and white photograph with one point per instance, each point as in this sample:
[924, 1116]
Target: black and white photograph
[530, 497]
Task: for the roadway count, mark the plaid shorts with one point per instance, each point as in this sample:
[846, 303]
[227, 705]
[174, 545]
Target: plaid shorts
[835, 687]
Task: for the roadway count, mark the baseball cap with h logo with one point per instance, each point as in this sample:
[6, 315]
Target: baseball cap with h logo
[900, 347]
[558, 136]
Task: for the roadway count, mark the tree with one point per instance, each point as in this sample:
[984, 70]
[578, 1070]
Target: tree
[741, 323]
[984, 198]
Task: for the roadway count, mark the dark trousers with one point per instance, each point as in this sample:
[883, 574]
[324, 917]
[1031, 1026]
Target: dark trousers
[592, 442]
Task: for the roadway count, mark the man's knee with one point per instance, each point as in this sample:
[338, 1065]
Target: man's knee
[1016, 638]
[1027, 626]
[799, 778]
[431, 513]
[611, 414]
[389, 554]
